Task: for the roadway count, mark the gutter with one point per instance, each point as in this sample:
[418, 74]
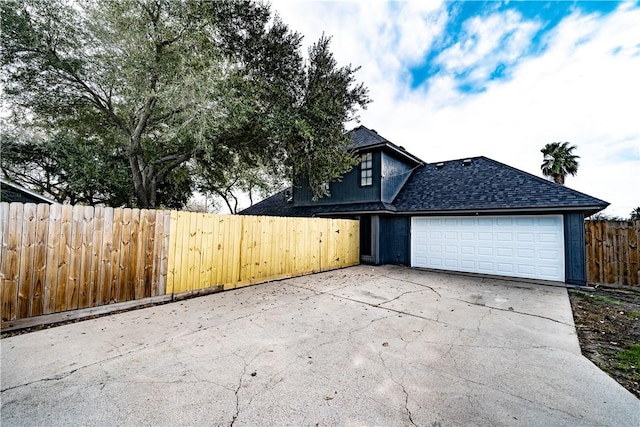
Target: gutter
[555, 210]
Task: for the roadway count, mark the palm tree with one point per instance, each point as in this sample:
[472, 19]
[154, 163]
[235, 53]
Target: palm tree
[559, 161]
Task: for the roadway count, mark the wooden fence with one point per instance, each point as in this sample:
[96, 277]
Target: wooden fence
[612, 252]
[55, 258]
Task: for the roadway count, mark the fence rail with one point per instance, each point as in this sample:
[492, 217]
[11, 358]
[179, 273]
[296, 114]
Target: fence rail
[55, 258]
[612, 252]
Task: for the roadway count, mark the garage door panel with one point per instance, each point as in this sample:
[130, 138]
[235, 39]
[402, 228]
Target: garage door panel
[452, 263]
[546, 221]
[485, 251]
[435, 262]
[548, 254]
[504, 268]
[526, 269]
[467, 250]
[525, 237]
[519, 246]
[548, 238]
[468, 265]
[525, 222]
[525, 253]
[504, 252]
[504, 222]
[504, 237]
[466, 235]
[485, 266]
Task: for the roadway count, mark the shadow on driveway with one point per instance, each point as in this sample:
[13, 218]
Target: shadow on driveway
[359, 346]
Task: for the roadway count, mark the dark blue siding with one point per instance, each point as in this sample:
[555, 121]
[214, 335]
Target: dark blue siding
[394, 240]
[346, 191]
[394, 174]
[574, 251]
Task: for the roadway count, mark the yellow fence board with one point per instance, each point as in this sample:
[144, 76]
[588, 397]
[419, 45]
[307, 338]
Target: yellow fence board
[55, 258]
[209, 250]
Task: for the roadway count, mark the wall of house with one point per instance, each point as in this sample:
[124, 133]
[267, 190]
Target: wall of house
[394, 174]
[394, 240]
[374, 236]
[346, 191]
[574, 249]
[10, 195]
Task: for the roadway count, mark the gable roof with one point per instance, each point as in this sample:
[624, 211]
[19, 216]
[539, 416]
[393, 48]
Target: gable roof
[482, 186]
[485, 185]
[363, 138]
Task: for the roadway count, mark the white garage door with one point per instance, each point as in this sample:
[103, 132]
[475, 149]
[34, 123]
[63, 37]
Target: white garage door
[517, 246]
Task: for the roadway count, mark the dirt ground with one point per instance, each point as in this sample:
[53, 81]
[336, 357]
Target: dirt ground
[608, 325]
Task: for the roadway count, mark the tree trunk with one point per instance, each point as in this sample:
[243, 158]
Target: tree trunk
[140, 186]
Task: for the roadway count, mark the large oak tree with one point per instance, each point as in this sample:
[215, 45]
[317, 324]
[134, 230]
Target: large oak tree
[166, 83]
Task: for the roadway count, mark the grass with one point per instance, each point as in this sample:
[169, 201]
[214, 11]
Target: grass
[629, 360]
[634, 314]
[603, 298]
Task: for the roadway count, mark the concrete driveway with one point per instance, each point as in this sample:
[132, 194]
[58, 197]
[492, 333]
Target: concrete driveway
[359, 346]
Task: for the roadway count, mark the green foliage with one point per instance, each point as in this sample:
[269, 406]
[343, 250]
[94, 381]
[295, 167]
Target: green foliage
[67, 167]
[316, 141]
[559, 161]
[162, 82]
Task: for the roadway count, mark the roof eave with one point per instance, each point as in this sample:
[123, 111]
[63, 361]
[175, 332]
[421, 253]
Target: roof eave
[391, 147]
[552, 209]
[361, 212]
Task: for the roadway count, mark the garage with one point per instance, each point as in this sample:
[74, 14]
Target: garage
[516, 246]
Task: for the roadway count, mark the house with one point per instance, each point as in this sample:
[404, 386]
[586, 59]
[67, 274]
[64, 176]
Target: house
[472, 215]
[10, 192]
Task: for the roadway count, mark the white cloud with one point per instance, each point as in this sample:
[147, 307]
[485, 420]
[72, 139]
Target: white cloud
[487, 41]
[583, 89]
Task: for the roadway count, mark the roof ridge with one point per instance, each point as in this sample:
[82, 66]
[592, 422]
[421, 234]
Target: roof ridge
[454, 160]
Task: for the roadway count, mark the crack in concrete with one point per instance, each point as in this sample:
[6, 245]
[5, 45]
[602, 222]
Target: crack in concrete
[512, 311]
[235, 416]
[404, 390]
[371, 322]
[63, 375]
[401, 295]
[415, 283]
[503, 391]
[481, 319]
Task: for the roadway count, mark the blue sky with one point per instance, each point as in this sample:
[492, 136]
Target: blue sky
[499, 79]
[464, 33]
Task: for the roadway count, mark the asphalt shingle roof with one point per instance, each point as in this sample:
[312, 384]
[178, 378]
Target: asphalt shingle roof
[448, 187]
[362, 137]
[485, 184]
[277, 205]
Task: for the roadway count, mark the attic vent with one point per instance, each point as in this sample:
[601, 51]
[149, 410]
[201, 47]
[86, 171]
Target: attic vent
[439, 165]
[466, 162]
